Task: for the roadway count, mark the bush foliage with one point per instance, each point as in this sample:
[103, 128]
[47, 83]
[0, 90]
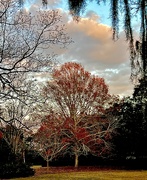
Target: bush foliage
[12, 170]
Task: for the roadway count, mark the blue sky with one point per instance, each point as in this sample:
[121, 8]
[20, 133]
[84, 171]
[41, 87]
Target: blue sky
[93, 46]
[102, 10]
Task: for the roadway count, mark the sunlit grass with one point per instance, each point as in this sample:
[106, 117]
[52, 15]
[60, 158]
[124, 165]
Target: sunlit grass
[96, 175]
[36, 166]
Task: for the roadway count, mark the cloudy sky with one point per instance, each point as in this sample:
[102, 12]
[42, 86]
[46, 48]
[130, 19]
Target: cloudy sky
[93, 46]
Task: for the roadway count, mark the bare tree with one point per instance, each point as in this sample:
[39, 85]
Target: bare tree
[15, 123]
[24, 38]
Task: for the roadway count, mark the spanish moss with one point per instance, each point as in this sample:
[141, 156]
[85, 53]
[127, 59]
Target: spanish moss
[115, 19]
[77, 6]
[44, 2]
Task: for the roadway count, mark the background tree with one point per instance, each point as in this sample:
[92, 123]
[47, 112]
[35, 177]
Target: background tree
[140, 96]
[80, 99]
[47, 140]
[132, 133]
[15, 123]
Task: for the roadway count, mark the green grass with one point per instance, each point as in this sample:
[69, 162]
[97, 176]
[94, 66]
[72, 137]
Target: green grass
[96, 175]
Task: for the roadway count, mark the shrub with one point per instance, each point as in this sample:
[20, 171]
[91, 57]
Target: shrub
[12, 170]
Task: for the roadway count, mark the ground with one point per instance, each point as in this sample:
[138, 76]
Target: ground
[85, 173]
[53, 170]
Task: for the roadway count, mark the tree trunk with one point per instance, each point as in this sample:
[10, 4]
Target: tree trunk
[23, 156]
[47, 164]
[76, 160]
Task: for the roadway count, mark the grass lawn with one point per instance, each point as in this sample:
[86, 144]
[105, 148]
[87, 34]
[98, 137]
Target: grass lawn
[95, 175]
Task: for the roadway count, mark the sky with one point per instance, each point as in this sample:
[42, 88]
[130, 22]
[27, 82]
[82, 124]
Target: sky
[93, 46]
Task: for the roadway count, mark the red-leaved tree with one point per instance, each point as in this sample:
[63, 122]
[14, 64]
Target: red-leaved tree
[47, 140]
[80, 100]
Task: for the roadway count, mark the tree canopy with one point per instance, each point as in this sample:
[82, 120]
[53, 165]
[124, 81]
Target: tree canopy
[81, 101]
